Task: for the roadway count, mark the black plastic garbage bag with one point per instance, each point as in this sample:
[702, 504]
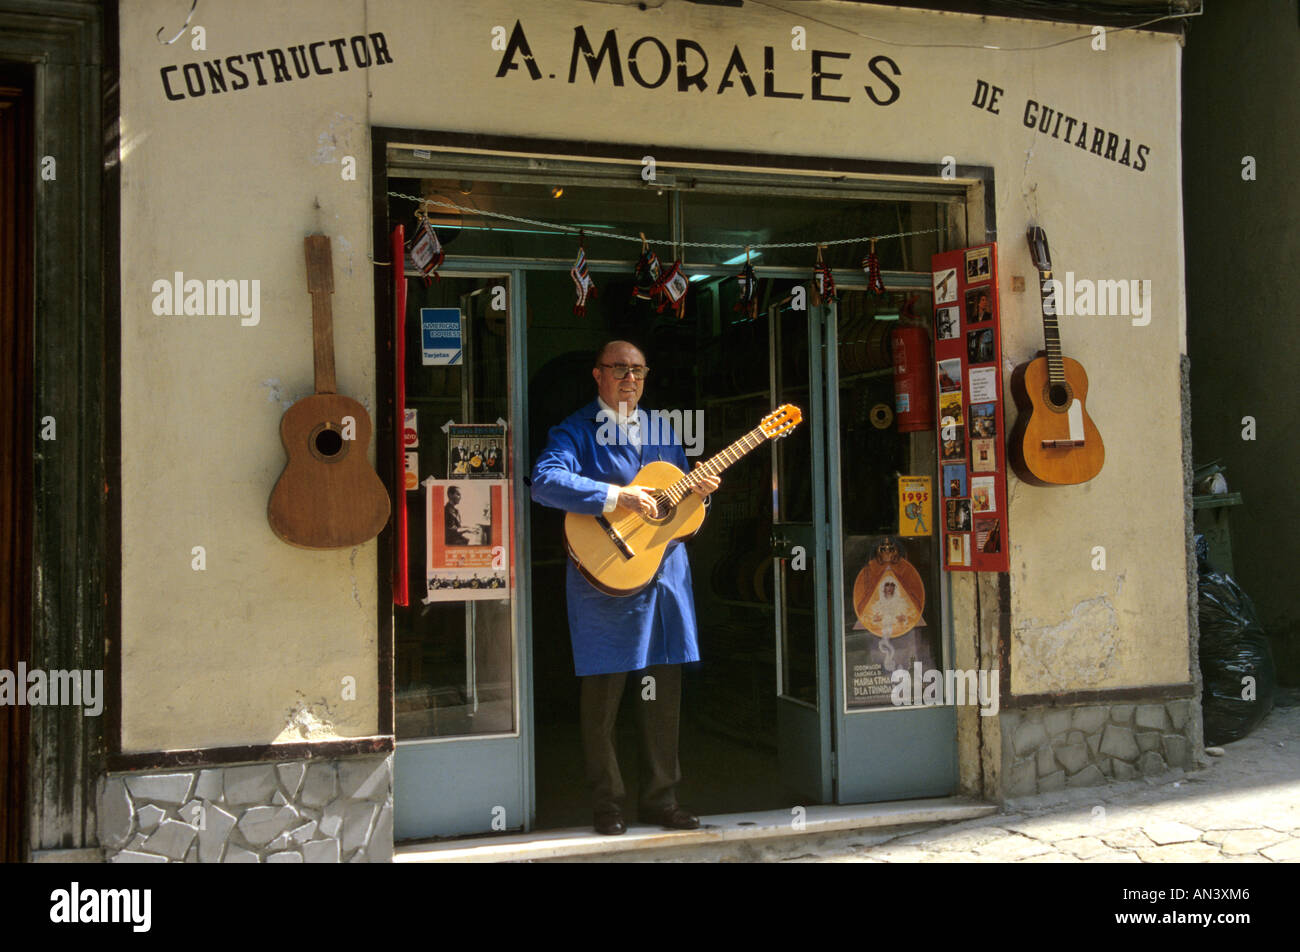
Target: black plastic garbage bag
[1233, 648]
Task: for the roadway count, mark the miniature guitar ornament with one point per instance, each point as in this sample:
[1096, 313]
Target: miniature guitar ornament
[1055, 442]
[328, 496]
[620, 552]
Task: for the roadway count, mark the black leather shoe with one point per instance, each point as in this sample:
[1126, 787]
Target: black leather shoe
[675, 818]
[610, 823]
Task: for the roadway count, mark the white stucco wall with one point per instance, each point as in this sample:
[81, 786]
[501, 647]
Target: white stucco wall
[226, 186]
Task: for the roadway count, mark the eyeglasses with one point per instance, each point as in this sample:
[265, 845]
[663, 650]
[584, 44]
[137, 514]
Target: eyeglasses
[622, 370]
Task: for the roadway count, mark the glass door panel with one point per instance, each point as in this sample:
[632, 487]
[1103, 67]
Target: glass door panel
[887, 588]
[457, 694]
[799, 547]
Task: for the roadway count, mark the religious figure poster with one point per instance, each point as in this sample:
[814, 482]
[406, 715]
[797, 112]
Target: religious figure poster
[467, 539]
[887, 621]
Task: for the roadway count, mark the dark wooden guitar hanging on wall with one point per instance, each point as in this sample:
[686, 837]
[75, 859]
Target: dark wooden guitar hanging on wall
[1055, 442]
[328, 496]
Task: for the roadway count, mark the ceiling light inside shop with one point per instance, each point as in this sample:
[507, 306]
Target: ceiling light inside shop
[751, 255]
[557, 191]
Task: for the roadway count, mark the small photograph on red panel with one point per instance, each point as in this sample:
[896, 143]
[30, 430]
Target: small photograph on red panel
[957, 512]
[952, 443]
[950, 374]
[977, 265]
[948, 323]
[954, 481]
[988, 536]
[950, 409]
[979, 345]
[945, 286]
[983, 456]
[979, 306]
[983, 420]
[959, 549]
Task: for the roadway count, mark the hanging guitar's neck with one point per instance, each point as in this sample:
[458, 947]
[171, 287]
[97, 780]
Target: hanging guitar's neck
[320, 284]
[1051, 330]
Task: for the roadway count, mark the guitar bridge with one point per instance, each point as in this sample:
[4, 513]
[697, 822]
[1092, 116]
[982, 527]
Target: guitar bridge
[614, 537]
[1074, 417]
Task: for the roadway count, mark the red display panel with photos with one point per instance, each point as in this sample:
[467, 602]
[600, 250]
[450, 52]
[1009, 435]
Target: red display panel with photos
[969, 410]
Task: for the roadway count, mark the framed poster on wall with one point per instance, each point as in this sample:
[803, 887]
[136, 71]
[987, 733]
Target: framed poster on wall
[971, 427]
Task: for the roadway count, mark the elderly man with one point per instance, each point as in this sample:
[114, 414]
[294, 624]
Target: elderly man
[651, 632]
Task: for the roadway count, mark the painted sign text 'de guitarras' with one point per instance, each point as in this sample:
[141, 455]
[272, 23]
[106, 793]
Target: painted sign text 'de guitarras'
[619, 553]
[1055, 441]
[328, 496]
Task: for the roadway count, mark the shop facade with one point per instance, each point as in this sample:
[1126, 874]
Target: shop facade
[277, 703]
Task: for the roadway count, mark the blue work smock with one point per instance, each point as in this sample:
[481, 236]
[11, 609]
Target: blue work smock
[616, 633]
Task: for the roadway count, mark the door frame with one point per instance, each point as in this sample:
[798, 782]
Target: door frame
[971, 189]
[71, 53]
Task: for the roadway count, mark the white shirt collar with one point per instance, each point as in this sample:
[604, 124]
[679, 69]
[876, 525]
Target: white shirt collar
[630, 418]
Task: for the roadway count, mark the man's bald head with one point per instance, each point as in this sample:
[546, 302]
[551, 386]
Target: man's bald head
[602, 355]
[616, 392]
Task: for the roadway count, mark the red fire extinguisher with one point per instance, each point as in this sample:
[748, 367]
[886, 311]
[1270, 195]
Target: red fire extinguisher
[913, 378]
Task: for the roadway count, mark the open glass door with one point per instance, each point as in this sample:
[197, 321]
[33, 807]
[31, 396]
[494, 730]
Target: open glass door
[461, 764]
[800, 557]
[888, 597]
[856, 601]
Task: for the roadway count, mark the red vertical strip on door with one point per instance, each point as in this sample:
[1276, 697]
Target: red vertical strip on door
[401, 562]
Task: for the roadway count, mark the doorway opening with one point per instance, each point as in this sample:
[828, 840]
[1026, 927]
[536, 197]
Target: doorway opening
[766, 633]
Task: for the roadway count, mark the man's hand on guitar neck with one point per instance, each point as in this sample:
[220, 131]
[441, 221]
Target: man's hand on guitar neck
[706, 485]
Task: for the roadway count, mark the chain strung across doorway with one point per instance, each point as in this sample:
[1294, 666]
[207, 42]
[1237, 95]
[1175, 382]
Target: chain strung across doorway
[640, 238]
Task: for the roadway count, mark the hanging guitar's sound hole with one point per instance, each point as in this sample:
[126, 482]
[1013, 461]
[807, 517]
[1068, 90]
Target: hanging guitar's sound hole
[327, 443]
[1058, 395]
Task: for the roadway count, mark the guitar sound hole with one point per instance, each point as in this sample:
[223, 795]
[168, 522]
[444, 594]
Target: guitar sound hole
[663, 511]
[1059, 395]
[329, 443]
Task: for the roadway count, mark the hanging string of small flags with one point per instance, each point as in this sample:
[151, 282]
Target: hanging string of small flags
[584, 284]
[666, 288]
[614, 236]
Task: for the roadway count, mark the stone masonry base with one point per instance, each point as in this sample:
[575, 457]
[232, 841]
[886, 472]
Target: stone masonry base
[1051, 748]
[320, 811]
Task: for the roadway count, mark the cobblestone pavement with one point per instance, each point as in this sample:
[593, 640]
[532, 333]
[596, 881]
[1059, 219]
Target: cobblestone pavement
[1242, 807]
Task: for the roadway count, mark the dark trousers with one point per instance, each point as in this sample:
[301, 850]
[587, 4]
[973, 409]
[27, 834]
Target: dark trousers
[658, 722]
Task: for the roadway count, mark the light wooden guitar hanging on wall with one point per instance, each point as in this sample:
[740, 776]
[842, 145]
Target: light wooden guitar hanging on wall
[1055, 442]
[620, 553]
[328, 496]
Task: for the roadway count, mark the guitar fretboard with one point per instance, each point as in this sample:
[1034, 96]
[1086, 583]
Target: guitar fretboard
[1051, 331]
[715, 464]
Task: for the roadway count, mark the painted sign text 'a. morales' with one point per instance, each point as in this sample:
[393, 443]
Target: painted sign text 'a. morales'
[649, 63]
